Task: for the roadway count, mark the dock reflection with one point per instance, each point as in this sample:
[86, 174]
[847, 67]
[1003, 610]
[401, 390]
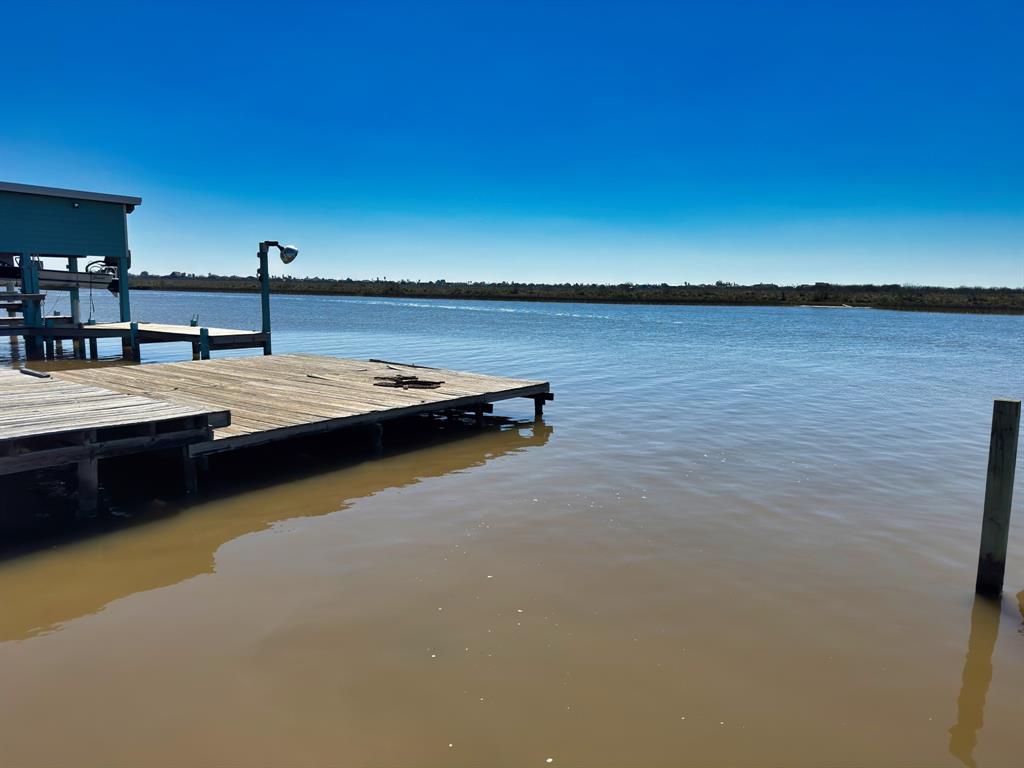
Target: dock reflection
[977, 675]
[41, 590]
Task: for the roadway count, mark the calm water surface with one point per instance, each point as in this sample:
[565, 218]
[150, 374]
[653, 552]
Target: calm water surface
[743, 536]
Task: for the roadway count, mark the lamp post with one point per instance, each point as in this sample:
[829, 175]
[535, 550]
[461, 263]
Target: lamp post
[288, 254]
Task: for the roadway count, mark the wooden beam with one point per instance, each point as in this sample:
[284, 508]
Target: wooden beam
[995, 526]
[189, 474]
[15, 462]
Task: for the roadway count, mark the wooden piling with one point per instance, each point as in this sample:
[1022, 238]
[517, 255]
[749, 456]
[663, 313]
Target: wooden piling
[189, 473]
[88, 487]
[538, 403]
[204, 343]
[130, 343]
[995, 526]
[134, 337]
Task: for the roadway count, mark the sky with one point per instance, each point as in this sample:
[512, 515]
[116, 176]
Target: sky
[782, 142]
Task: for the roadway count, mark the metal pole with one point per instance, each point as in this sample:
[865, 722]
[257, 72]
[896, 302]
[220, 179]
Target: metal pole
[265, 294]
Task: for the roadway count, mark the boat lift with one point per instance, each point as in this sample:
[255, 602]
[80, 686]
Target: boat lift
[88, 231]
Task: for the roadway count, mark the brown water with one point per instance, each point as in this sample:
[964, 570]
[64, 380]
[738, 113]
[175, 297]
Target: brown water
[748, 540]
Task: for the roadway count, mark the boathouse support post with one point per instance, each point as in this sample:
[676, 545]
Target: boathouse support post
[76, 311]
[48, 342]
[31, 310]
[995, 524]
[130, 345]
[9, 294]
[204, 343]
[94, 351]
[123, 263]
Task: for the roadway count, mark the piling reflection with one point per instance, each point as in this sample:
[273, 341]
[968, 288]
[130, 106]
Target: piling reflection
[81, 578]
[977, 675]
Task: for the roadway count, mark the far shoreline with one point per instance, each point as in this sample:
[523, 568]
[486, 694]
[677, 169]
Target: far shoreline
[998, 301]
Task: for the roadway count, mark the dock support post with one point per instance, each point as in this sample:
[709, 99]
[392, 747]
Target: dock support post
[204, 343]
[995, 525]
[88, 487]
[538, 404]
[194, 323]
[191, 478]
[130, 345]
[478, 411]
[94, 351]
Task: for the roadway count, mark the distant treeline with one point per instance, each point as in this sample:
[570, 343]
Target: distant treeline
[904, 297]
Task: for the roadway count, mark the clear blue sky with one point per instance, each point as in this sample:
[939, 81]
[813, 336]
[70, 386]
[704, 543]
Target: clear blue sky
[774, 141]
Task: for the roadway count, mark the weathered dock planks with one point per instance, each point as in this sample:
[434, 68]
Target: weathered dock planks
[275, 397]
[74, 418]
[157, 332]
[46, 423]
[203, 339]
[41, 407]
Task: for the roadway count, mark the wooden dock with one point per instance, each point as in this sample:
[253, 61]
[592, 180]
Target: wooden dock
[280, 396]
[47, 423]
[203, 339]
[79, 416]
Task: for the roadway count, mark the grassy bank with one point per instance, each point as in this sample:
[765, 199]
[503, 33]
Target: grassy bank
[920, 298]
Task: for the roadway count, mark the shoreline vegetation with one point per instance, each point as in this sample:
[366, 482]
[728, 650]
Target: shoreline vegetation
[897, 297]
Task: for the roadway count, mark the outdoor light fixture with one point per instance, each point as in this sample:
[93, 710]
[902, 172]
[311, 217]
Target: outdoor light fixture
[288, 254]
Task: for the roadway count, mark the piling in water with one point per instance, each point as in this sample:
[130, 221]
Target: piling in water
[995, 526]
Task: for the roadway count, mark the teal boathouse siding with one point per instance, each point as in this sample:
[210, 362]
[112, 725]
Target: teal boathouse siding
[60, 226]
[43, 221]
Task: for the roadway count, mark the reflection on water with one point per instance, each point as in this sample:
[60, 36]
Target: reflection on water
[970, 705]
[80, 580]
